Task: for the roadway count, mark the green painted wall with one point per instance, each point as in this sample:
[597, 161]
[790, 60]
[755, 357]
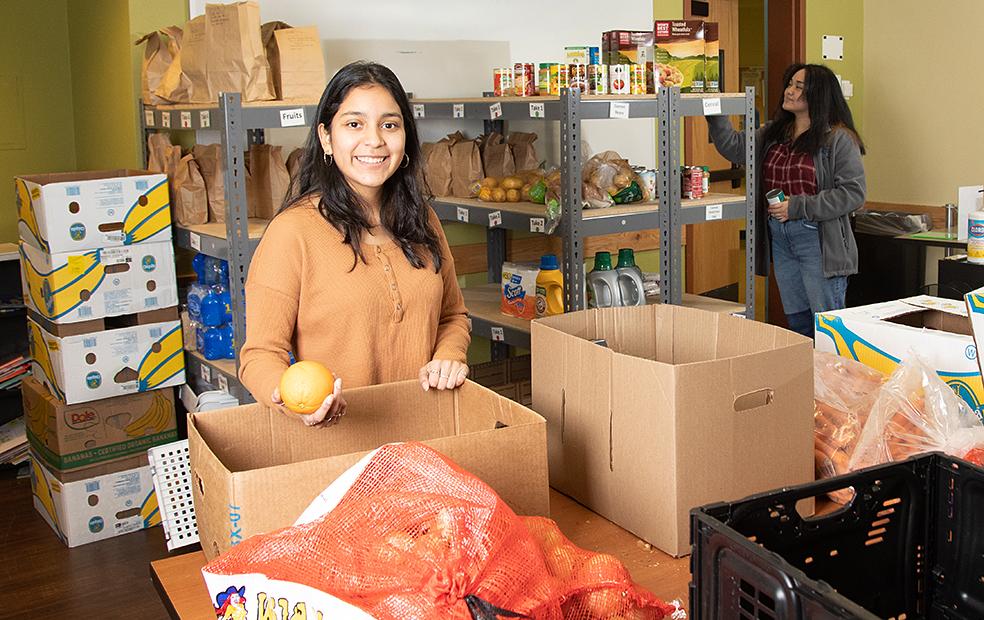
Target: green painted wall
[842, 18]
[102, 83]
[37, 131]
[751, 33]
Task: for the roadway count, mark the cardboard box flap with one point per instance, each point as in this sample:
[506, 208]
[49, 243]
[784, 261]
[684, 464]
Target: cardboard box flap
[975, 310]
[71, 177]
[474, 411]
[949, 306]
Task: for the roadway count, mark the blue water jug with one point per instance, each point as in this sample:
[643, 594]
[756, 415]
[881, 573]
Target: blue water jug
[199, 264]
[216, 307]
[215, 343]
[196, 294]
[216, 271]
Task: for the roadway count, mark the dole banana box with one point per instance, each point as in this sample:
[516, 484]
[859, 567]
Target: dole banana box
[74, 437]
[115, 362]
[70, 287]
[679, 45]
[114, 499]
[74, 211]
[882, 335]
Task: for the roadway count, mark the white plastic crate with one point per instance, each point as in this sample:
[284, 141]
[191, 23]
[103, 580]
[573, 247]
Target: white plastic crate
[172, 483]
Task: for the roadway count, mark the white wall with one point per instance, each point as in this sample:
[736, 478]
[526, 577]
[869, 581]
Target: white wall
[475, 37]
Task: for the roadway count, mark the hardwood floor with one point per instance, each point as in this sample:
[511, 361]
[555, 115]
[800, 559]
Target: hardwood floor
[42, 578]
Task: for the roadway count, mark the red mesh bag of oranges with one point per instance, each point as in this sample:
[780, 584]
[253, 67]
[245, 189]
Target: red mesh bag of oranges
[406, 533]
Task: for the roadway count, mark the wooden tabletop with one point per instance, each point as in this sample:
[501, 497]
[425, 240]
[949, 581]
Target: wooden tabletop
[179, 580]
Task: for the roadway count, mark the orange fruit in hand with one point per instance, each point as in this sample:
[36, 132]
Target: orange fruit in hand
[305, 385]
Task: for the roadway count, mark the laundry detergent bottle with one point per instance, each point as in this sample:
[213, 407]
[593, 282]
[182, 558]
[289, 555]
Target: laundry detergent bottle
[549, 287]
[603, 283]
[629, 279]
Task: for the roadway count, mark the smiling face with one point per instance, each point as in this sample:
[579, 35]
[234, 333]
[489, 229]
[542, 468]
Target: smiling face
[366, 140]
[794, 99]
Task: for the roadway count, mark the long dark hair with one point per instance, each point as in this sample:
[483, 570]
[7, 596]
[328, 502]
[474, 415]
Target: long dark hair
[827, 107]
[403, 210]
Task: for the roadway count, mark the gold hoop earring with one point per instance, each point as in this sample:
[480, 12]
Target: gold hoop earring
[329, 159]
[406, 161]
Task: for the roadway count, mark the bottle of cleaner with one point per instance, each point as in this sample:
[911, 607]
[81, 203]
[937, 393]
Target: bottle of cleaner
[629, 279]
[549, 287]
[603, 283]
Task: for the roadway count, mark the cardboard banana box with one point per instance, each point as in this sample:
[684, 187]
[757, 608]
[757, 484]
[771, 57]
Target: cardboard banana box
[76, 211]
[75, 437]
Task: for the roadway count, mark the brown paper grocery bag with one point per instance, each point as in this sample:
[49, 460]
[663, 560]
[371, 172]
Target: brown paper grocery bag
[497, 157]
[189, 200]
[269, 179]
[158, 147]
[523, 152]
[236, 60]
[466, 167]
[273, 57]
[212, 165]
[193, 69]
[301, 63]
[160, 47]
[294, 162]
[438, 163]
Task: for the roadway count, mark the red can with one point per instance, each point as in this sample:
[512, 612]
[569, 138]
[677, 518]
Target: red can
[525, 76]
[502, 82]
[696, 182]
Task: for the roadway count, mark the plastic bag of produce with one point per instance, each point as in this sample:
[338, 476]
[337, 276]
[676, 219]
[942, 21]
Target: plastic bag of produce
[406, 533]
[916, 412]
[844, 391]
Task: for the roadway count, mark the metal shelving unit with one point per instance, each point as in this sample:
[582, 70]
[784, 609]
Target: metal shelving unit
[239, 125]
[668, 215]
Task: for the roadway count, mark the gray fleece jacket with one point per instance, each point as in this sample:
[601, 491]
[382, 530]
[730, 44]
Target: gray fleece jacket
[841, 191]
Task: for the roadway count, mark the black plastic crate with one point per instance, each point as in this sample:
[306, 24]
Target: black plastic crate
[909, 545]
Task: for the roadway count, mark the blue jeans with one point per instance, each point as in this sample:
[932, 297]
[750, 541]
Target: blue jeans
[798, 264]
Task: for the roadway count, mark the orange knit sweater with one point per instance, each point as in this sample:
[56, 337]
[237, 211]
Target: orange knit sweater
[377, 323]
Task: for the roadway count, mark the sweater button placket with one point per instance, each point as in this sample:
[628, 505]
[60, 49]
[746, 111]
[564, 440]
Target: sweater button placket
[394, 289]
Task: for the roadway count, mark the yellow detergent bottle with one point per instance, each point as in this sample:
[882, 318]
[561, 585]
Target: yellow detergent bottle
[549, 287]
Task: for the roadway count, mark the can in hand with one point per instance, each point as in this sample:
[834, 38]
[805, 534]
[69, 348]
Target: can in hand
[775, 196]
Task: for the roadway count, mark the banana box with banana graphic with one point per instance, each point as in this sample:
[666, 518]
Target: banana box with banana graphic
[97, 504]
[881, 335]
[75, 211]
[114, 362]
[72, 287]
[74, 437]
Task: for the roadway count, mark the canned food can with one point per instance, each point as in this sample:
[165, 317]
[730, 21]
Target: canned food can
[598, 79]
[775, 196]
[502, 85]
[543, 78]
[975, 237]
[618, 83]
[577, 77]
[648, 178]
[525, 79]
[637, 79]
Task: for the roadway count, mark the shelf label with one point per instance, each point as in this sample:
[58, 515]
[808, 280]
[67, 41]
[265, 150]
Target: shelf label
[713, 212]
[495, 218]
[223, 382]
[166, 119]
[204, 119]
[537, 224]
[195, 240]
[292, 118]
[618, 109]
[463, 214]
[495, 110]
[418, 110]
[206, 374]
[712, 106]
[458, 110]
[498, 335]
[536, 110]
[149, 118]
[185, 120]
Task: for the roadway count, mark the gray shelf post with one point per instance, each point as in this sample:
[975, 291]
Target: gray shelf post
[750, 203]
[237, 225]
[570, 201]
[670, 241]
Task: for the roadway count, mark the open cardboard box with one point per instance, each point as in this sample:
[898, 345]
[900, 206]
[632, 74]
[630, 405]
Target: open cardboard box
[683, 407]
[255, 470]
[881, 335]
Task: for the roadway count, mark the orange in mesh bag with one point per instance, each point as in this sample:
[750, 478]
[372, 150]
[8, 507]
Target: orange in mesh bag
[406, 533]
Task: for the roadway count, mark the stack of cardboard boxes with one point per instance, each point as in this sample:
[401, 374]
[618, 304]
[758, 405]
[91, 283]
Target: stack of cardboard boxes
[99, 282]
